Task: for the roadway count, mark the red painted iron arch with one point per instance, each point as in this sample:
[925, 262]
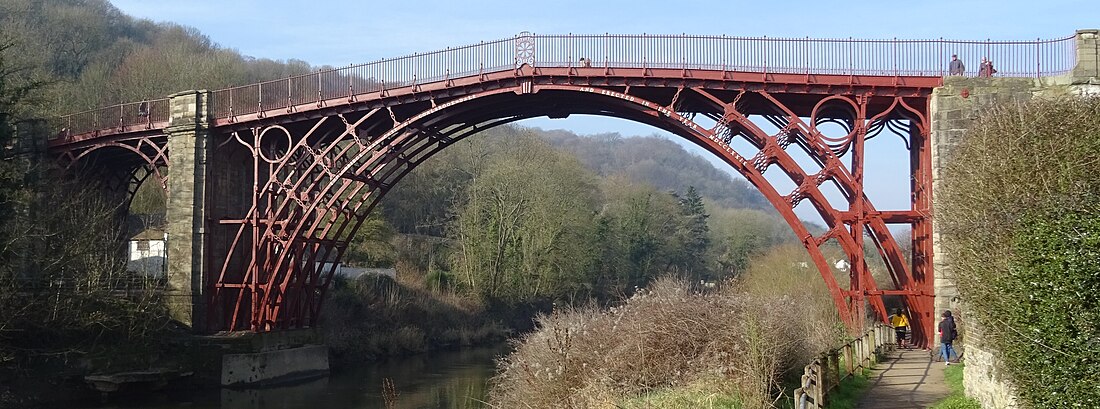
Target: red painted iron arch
[378, 172]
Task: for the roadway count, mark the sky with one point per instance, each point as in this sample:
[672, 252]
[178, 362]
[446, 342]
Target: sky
[343, 32]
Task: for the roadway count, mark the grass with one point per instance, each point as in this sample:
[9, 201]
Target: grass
[850, 390]
[953, 376]
[700, 396]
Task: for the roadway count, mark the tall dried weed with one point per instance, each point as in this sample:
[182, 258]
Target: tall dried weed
[667, 336]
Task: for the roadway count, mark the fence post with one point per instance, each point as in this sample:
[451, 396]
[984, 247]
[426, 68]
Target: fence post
[862, 352]
[874, 344]
[819, 391]
[834, 367]
[823, 377]
[869, 349]
[848, 368]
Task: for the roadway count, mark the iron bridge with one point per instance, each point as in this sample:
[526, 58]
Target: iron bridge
[274, 178]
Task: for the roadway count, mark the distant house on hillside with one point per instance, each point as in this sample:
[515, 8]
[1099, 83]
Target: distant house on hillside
[147, 245]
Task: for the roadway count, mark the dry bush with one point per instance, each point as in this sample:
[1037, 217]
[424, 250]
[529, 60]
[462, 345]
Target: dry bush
[666, 336]
[780, 273]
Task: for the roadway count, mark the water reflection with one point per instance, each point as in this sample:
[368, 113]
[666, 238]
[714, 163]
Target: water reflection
[440, 380]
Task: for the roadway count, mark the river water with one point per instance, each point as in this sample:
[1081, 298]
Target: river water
[438, 380]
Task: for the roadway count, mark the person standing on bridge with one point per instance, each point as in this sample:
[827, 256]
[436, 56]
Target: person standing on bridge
[956, 67]
[948, 334]
[900, 323]
[985, 70]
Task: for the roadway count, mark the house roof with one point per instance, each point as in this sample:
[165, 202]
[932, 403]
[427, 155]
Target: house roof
[142, 227]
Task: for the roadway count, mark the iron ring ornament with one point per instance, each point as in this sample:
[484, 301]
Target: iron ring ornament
[525, 49]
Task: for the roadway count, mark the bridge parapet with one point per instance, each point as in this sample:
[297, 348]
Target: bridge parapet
[1088, 55]
[599, 55]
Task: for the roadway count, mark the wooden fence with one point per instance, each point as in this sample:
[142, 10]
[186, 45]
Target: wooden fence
[827, 370]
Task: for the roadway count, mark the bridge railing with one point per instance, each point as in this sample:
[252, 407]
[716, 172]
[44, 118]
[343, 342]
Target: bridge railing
[885, 57]
[357, 80]
[128, 116]
[826, 371]
[839, 56]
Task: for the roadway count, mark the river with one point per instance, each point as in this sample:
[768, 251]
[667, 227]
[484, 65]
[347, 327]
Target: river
[438, 380]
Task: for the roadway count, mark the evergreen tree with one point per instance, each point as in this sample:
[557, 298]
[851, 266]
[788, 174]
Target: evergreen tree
[694, 234]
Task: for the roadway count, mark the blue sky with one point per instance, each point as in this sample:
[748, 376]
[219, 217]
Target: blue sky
[344, 32]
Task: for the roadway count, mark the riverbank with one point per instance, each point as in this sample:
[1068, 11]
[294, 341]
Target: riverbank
[367, 321]
[373, 317]
[442, 379]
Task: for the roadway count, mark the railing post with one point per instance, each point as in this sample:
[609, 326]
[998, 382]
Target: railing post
[895, 57]
[940, 57]
[806, 56]
[765, 47]
[851, 56]
[1038, 58]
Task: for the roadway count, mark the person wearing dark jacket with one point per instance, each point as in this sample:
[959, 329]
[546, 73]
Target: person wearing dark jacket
[948, 333]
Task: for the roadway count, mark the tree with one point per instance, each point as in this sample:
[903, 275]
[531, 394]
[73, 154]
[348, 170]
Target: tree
[372, 244]
[739, 235]
[639, 245]
[522, 228]
[693, 235]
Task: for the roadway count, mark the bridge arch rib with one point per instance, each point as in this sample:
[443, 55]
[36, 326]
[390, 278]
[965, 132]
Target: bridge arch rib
[312, 192]
[118, 167]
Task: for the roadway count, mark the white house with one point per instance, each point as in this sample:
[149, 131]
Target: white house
[147, 247]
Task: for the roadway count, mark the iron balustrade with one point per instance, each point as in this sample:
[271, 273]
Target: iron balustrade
[822, 56]
[124, 117]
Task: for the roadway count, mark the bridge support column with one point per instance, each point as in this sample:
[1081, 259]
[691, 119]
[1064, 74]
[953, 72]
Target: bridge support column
[188, 149]
[1088, 56]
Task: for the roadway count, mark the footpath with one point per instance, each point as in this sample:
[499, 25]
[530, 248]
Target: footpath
[905, 379]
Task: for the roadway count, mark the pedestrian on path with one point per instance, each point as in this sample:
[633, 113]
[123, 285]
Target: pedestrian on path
[901, 324]
[948, 334]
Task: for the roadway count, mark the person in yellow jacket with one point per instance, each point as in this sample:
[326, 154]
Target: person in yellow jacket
[900, 323]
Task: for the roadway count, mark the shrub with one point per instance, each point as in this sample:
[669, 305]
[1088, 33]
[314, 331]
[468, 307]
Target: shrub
[1020, 218]
[663, 337]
